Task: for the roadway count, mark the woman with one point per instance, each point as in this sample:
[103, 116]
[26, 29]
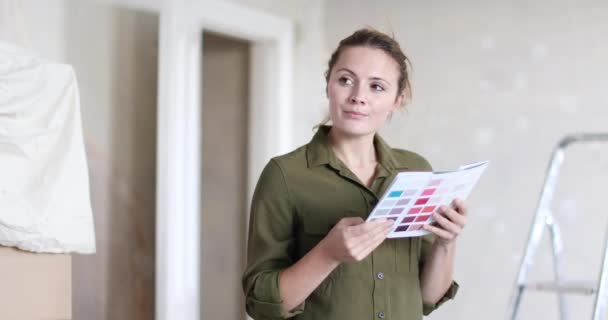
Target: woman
[311, 254]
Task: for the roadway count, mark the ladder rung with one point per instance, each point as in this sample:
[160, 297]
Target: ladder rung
[574, 287]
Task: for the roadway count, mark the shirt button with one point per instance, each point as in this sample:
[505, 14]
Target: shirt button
[381, 315]
[380, 275]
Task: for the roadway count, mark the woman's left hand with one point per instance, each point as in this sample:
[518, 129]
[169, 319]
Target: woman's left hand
[450, 220]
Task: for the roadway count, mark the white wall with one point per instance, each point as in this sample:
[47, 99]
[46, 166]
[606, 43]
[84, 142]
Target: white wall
[503, 80]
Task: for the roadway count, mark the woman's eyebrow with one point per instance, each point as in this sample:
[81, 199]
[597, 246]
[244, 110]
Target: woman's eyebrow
[347, 70]
[380, 79]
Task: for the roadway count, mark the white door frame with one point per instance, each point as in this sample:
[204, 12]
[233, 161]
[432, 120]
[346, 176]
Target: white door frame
[178, 207]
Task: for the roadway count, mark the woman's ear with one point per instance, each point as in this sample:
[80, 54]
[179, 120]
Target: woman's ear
[398, 101]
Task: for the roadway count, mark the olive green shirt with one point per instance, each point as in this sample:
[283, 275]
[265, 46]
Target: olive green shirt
[300, 196]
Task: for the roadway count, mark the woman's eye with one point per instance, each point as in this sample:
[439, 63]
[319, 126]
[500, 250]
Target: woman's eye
[345, 80]
[377, 87]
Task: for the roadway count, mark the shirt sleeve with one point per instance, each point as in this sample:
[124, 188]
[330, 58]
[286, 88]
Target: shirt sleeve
[427, 308]
[270, 245]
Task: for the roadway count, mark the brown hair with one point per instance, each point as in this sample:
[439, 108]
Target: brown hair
[372, 38]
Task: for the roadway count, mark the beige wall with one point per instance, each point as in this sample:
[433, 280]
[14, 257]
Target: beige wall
[114, 53]
[503, 80]
[310, 59]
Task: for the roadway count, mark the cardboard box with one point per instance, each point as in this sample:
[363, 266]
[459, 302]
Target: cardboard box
[35, 286]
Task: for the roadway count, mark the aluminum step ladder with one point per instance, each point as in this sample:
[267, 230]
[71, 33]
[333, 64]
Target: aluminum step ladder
[544, 219]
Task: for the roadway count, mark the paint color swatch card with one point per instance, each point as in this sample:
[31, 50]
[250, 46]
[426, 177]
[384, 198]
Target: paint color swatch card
[412, 197]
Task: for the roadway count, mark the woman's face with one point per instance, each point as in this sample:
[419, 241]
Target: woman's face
[362, 90]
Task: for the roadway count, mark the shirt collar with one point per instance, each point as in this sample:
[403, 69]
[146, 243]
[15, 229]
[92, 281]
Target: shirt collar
[319, 152]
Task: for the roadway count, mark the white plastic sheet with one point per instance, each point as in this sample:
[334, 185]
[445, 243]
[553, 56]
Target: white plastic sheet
[44, 184]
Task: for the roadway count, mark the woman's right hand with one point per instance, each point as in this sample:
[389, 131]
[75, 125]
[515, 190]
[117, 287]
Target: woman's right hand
[353, 239]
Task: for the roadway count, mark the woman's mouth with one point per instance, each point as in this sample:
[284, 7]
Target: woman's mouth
[354, 114]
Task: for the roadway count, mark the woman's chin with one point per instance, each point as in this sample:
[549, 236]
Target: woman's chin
[354, 128]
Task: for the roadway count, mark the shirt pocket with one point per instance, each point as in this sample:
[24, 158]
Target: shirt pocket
[311, 231]
[315, 229]
[406, 255]
[318, 225]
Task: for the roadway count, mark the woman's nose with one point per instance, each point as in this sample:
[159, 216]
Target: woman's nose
[357, 96]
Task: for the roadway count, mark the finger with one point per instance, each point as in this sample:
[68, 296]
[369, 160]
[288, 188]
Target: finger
[351, 221]
[460, 206]
[382, 230]
[356, 236]
[438, 232]
[453, 215]
[446, 224]
[368, 245]
[370, 227]
[379, 230]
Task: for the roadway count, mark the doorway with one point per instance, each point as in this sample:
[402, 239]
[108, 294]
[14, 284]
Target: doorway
[179, 234]
[224, 183]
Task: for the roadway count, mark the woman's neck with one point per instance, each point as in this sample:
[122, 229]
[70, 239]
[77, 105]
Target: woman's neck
[354, 151]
